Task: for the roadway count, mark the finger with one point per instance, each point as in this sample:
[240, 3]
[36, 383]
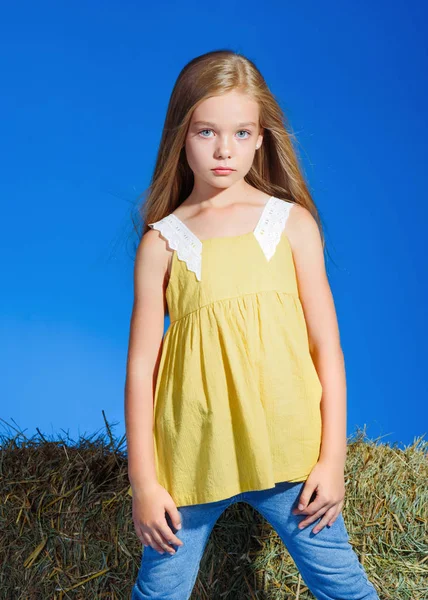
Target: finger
[140, 534]
[168, 535]
[174, 515]
[314, 507]
[167, 540]
[337, 513]
[311, 518]
[146, 540]
[306, 494]
[154, 544]
[324, 521]
[158, 538]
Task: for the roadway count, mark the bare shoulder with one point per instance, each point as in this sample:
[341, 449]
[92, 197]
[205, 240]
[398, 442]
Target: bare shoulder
[302, 229]
[151, 262]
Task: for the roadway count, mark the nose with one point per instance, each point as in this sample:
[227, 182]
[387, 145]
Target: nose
[223, 147]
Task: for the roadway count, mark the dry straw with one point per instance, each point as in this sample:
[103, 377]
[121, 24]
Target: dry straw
[67, 532]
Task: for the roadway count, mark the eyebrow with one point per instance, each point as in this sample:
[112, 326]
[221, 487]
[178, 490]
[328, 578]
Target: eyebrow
[199, 123]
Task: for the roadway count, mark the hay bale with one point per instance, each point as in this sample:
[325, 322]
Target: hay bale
[67, 531]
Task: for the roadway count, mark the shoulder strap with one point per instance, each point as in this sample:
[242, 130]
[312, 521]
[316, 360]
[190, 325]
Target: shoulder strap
[188, 247]
[269, 230]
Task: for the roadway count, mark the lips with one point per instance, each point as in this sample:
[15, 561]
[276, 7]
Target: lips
[223, 169]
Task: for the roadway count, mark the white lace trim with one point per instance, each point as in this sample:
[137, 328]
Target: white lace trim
[271, 225]
[188, 246]
[181, 239]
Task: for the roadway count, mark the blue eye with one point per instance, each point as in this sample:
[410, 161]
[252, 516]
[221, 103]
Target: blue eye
[241, 131]
[245, 131]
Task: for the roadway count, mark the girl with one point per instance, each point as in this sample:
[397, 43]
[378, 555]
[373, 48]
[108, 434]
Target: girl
[248, 382]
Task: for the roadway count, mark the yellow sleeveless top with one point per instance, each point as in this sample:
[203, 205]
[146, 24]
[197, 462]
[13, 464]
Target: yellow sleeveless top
[237, 396]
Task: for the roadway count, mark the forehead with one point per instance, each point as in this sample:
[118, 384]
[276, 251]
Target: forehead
[233, 108]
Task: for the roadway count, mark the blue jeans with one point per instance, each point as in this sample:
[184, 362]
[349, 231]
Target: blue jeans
[326, 560]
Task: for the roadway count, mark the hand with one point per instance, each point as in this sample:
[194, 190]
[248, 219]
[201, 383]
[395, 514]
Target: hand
[149, 504]
[327, 480]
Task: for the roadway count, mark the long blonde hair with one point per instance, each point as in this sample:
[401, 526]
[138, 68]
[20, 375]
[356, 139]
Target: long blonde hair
[275, 169]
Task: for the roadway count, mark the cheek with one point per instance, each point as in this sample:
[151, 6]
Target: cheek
[247, 159]
[198, 157]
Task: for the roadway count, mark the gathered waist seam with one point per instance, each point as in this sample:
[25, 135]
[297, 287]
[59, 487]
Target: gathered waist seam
[232, 298]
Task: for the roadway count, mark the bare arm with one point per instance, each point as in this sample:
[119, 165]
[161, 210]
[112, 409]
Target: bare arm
[150, 501]
[145, 345]
[323, 331]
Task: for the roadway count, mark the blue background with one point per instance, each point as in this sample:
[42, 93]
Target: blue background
[85, 87]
